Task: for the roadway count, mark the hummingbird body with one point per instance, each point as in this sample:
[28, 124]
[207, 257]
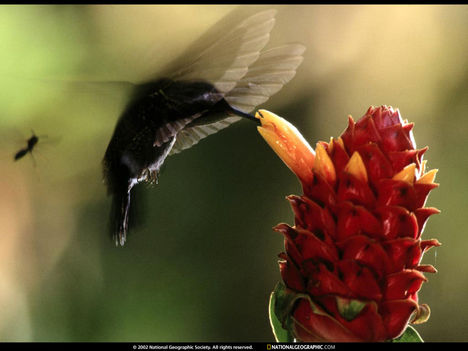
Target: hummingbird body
[210, 87]
[149, 125]
[147, 131]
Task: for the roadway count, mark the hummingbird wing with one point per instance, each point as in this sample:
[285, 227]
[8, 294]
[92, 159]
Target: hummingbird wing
[226, 59]
[264, 78]
[275, 68]
[223, 62]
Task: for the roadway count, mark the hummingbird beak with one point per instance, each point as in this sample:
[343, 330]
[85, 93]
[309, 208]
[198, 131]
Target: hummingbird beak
[254, 119]
[246, 115]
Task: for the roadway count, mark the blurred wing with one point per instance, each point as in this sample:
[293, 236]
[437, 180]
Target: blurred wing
[266, 77]
[219, 59]
[227, 59]
[167, 131]
[273, 69]
[191, 136]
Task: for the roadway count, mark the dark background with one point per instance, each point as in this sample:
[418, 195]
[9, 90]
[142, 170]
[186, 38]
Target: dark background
[201, 263]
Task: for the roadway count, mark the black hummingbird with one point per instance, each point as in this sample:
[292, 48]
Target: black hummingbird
[203, 92]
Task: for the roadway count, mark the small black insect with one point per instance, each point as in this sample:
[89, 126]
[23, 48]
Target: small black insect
[200, 94]
[31, 143]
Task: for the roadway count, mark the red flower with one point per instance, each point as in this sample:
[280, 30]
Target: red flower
[352, 259]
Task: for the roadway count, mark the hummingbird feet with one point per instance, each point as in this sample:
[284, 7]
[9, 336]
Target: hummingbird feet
[153, 177]
[149, 175]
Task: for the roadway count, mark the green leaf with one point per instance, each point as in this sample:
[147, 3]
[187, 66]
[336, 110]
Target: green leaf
[349, 308]
[410, 335]
[279, 301]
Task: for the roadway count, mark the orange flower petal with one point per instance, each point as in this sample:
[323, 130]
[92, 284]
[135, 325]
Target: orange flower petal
[407, 174]
[288, 143]
[356, 167]
[323, 165]
[428, 178]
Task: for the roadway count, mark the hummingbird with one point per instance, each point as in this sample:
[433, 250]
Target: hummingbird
[215, 84]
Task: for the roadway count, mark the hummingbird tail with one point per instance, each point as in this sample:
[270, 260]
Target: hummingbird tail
[119, 217]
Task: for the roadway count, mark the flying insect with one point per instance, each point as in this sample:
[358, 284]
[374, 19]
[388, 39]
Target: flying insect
[30, 144]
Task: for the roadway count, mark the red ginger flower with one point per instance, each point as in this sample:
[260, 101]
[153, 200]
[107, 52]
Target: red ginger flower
[352, 262]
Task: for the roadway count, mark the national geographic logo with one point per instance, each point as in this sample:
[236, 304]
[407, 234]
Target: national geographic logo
[301, 346]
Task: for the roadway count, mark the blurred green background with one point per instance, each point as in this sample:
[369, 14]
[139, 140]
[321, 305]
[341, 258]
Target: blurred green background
[202, 262]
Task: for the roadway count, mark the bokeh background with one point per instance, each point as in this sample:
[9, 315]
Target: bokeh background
[202, 259]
